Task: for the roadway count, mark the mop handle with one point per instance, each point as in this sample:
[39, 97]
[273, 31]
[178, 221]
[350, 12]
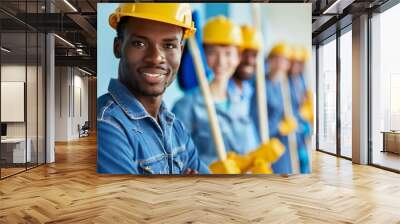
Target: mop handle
[260, 82]
[205, 89]
[262, 100]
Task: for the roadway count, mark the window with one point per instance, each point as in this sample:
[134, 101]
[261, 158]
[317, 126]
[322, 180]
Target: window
[346, 94]
[327, 97]
[385, 89]
[22, 77]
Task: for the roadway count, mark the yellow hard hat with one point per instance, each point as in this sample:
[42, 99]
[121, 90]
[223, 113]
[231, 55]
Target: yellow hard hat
[220, 30]
[297, 54]
[300, 54]
[179, 14]
[281, 49]
[306, 54]
[251, 38]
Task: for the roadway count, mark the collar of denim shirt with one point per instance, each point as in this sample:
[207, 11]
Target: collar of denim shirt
[235, 95]
[131, 106]
[234, 98]
[241, 94]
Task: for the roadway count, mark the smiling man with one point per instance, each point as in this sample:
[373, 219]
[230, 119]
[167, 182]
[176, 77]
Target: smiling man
[242, 78]
[136, 133]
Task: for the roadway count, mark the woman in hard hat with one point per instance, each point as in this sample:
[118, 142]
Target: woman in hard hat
[222, 40]
[241, 84]
[136, 132]
[278, 67]
[298, 92]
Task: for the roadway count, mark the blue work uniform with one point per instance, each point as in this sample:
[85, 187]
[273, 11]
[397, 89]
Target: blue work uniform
[275, 110]
[131, 141]
[298, 91]
[238, 130]
[243, 94]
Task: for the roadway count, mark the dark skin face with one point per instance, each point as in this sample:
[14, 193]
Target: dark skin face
[150, 54]
[247, 66]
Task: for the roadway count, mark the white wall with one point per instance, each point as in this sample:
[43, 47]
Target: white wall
[68, 83]
[16, 72]
[80, 82]
[61, 103]
[289, 23]
[33, 126]
[13, 72]
[241, 13]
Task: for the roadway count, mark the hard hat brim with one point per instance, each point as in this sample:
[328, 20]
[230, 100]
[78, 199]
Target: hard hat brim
[116, 17]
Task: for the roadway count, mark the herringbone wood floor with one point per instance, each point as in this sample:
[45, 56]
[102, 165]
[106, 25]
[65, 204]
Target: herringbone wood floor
[70, 191]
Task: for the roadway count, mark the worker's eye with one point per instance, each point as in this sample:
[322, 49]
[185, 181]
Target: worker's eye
[170, 46]
[137, 43]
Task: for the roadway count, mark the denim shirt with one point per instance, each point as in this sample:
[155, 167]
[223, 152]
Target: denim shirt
[244, 94]
[298, 91]
[275, 110]
[276, 113]
[238, 130]
[130, 141]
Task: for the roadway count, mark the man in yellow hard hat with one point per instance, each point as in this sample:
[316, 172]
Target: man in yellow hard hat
[136, 132]
[278, 67]
[246, 70]
[222, 41]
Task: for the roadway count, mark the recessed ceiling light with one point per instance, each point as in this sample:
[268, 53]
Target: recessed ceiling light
[70, 5]
[5, 50]
[65, 41]
[84, 71]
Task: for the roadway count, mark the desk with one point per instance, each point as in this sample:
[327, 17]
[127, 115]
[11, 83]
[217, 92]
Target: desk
[13, 150]
[391, 141]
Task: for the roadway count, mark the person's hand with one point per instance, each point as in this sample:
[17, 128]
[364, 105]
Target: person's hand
[287, 125]
[269, 151]
[227, 166]
[190, 171]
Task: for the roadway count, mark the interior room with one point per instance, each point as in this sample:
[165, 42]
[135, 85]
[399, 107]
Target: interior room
[50, 81]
